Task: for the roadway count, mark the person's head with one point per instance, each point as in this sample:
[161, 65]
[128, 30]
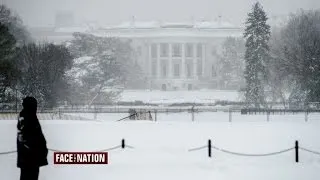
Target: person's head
[30, 104]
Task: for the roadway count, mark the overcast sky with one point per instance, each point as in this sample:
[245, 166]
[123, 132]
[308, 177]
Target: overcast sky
[42, 12]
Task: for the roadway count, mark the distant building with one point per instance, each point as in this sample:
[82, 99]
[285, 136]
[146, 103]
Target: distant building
[62, 30]
[172, 55]
[176, 55]
[64, 19]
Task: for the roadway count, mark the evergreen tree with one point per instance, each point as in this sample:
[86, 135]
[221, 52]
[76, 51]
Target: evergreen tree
[232, 63]
[15, 25]
[257, 34]
[8, 70]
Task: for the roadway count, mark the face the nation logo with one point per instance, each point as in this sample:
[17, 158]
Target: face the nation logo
[80, 158]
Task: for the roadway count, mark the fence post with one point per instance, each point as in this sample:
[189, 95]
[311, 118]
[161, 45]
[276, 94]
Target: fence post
[209, 148]
[297, 151]
[123, 145]
[230, 115]
[59, 113]
[95, 113]
[306, 116]
[192, 113]
[155, 115]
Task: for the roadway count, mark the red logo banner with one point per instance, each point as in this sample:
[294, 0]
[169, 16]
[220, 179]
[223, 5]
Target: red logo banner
[80, 158]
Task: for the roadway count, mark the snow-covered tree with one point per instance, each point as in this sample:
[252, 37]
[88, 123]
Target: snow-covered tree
[101, 67]
[13, 34]
[257, 35]
[297, 52]
[232, 63]
[43, 69]
[278, 80]
[8, 70]
[15, 25]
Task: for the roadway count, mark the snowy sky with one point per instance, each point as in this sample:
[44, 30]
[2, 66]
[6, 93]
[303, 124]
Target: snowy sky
[42, 12]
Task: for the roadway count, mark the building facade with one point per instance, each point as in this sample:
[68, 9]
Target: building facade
[172, 55]
[176, 56]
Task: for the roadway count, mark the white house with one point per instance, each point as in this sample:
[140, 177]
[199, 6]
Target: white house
[172, 55]
[176, 55]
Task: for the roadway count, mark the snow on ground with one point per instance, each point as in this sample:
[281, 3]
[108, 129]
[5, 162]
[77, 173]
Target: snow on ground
[161, 148]
[201, 96]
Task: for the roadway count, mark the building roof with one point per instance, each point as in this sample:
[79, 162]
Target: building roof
[140, 29]
[143, 29]
[158, 24]
[71, 29]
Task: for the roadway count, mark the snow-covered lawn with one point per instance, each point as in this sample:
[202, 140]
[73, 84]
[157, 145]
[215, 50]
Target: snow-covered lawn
[200, 96]
[161, 148]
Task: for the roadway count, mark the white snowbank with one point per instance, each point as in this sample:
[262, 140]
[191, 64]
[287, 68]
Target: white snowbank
[156, 96]
[161, 148]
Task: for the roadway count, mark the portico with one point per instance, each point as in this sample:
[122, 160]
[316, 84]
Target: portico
[176, 55]
[174, 60]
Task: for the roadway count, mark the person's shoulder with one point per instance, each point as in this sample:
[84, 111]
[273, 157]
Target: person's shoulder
[21, 115]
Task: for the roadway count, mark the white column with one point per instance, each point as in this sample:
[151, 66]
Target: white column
[183, 61]
[170, 74]
[158, 61]
[149, 61]
[203, 59]
[194, 61]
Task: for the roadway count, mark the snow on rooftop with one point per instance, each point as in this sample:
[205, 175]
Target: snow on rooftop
[209, 24]
[157, 24]
[71, 29]
[138, 24]
[177, 25]
[154, 29]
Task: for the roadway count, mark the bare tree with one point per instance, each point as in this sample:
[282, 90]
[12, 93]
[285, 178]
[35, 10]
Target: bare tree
[296, 53]
[43, 70]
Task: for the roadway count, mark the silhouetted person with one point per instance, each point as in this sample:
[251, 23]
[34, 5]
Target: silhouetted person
[31, 143]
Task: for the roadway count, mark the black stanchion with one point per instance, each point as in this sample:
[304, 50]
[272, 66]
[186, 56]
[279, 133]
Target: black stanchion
[297, 151]
[123, 145]
[209, 148]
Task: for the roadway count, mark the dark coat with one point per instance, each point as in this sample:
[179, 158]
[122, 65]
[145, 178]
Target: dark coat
[31, 143]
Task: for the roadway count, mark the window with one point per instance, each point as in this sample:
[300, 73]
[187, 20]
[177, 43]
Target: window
[154, 51]
[176, 50]
[177, 70]
[154, 68]
[199, 67]
[164, 50]
[199, 50]
[213, 72]
[139, 50]
[189, 70]
[164, 70]
[189, 50]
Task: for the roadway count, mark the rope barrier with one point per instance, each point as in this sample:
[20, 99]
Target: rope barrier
[310, 151]
[198, 148]
[128, 117]
[109, 149]
[7, 152]
[56, 150]
[244, 154]
[103, 150]
[129, 147]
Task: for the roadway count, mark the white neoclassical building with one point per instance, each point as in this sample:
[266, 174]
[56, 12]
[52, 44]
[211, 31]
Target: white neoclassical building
[176, 55]
[171, 55]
